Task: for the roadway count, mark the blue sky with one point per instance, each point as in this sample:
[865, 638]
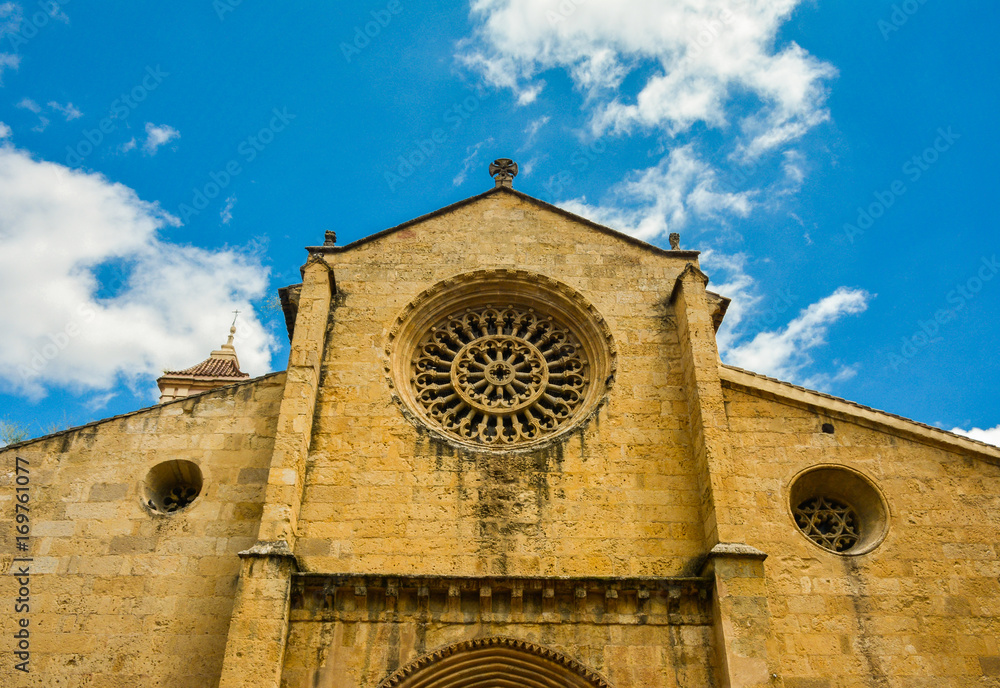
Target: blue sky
[164, 165]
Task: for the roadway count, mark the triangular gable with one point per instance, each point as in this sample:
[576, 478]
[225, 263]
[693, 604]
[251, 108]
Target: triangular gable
[523, 196]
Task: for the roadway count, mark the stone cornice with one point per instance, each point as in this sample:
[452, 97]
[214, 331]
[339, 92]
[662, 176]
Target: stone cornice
[471, 600]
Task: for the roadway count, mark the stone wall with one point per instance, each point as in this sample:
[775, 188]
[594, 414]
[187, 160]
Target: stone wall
[920, 609]
[617, 497]
[122, 596]
[653, 545]
[350, 631]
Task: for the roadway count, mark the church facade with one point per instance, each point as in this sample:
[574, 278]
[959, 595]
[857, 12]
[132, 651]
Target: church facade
[504, 453]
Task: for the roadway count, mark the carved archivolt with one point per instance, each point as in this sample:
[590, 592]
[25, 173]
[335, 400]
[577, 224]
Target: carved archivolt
[500, 358]
[489, 662]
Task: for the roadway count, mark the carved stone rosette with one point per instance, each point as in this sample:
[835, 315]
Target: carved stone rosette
[500, 358]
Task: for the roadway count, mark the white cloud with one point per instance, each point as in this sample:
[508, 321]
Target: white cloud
[793, 165]
[731, 279]
[529, 165]
[989, 436]
[29, 104]
[69, 111]
[656, 201]
[10, 22]
[8, 61]
[784, 353]
[70, 322]
[99, 401]
[532, 130]
[4, 131]
[158, 135]
[227, 211]
[472, 154]
[705, 55]
[10, 17]
[55, 11]
[711, 63]
[127, 146]
[686, 75]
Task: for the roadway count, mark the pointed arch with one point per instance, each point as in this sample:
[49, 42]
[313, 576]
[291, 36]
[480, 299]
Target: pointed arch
[494, 662]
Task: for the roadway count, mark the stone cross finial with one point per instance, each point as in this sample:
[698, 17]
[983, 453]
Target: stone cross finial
[330, 238]
[503, 170]
[232, 331]
[675, 241]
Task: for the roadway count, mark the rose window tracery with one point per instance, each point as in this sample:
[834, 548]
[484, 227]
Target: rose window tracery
[499, 359]
[500, 376]
[829, 523]
[179, 498]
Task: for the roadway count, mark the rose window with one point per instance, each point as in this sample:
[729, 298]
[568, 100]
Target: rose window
[172, 486]
[829, 523]
[179, 498]
[500, 376]
[499, 359]
[838, 509]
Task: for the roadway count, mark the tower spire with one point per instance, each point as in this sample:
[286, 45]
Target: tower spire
[221, 368]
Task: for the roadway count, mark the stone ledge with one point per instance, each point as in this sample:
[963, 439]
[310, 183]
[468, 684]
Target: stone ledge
[274, 548]
[730, 550]
[469, 600]
[736, 550]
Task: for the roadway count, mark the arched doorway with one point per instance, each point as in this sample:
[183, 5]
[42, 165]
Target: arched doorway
[494, 663]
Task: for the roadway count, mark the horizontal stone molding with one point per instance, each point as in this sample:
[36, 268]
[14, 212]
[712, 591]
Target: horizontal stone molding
[471, 600]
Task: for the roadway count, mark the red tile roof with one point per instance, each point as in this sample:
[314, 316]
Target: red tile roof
[212, 367]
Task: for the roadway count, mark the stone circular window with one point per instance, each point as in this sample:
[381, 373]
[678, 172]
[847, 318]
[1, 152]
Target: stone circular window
[839, 509]
[171, 486]
[500, 359]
